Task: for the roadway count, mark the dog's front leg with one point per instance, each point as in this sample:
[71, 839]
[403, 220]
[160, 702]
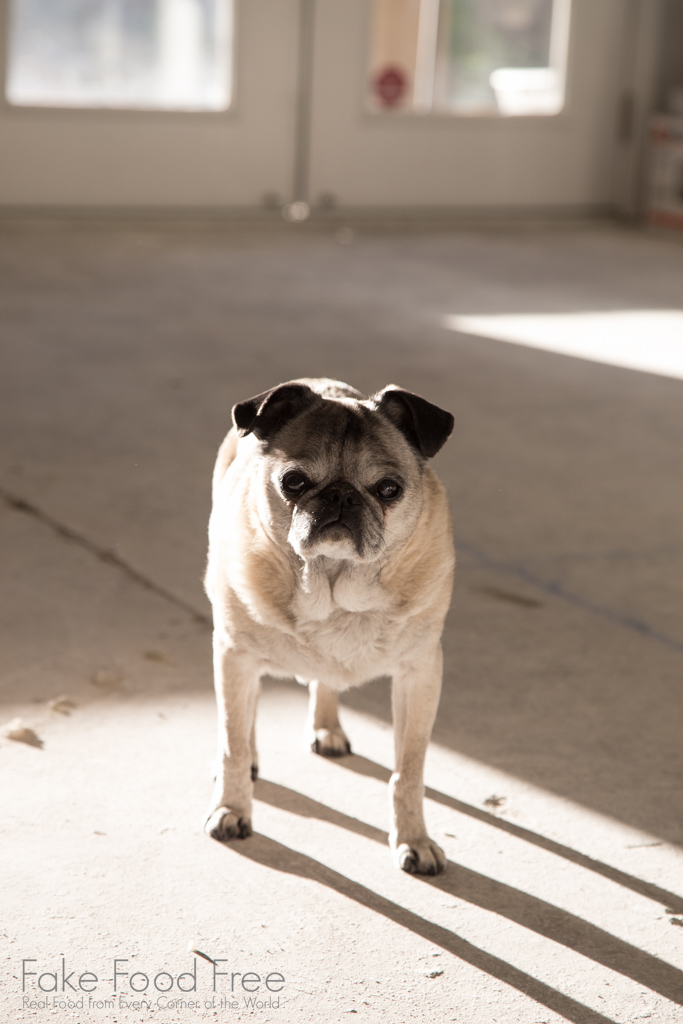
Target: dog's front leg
[323, 731]
[415, 698]
[236, 678]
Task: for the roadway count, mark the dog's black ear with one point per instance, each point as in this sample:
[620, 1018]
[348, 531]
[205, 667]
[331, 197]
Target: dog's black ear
[265, 414]
[426, 426]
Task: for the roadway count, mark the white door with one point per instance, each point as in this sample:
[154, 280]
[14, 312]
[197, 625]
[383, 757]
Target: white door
[546, 138]
[82, 131]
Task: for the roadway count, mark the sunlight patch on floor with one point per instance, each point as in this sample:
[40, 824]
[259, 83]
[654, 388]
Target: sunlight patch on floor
[650, 340]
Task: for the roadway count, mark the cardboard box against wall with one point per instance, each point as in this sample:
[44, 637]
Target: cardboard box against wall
[665, 192]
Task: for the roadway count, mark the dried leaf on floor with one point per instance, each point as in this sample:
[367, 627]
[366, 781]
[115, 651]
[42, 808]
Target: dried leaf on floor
[107, 678]
[153, 656]
[511, 596]
[494, 802]
[19, 732]
[62, 705]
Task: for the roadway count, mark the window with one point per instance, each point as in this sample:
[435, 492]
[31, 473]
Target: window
[146, 54]
[469, 57]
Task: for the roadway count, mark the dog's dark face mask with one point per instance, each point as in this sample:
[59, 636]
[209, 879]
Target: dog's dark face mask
[342, 478]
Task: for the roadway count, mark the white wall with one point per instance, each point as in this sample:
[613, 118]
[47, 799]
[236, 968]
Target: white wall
[128, 159]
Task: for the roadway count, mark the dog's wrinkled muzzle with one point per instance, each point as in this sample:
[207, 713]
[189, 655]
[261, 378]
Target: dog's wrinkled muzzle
[339, 506]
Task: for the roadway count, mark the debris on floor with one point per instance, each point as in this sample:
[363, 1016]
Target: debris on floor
[19, 732]
[510, 596]
[494, 802]
[62, 705]
[153, 656]
[107, 678]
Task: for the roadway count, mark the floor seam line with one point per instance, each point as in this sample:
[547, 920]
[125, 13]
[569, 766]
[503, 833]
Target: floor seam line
[557, 590]
[18, 504]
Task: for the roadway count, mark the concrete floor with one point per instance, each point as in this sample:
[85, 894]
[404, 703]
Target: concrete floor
[554, 778]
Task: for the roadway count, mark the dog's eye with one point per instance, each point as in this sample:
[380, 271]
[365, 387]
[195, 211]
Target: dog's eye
[293, 483]
[387, 490]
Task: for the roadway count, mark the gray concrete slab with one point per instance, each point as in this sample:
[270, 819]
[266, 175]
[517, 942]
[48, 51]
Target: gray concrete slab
[554, 778]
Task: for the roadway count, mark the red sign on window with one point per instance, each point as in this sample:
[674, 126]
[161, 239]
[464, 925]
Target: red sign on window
[390, 86]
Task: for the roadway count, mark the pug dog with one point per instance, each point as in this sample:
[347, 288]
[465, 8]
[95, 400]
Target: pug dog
[330, 559]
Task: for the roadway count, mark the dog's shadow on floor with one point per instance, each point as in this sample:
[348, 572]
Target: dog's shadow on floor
[528, 911]
[672, 901]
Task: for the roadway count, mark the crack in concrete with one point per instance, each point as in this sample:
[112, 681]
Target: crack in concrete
[480, 557]
[105, 555]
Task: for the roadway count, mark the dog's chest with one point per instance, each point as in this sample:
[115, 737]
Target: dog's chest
[320, 596]
[344, 628]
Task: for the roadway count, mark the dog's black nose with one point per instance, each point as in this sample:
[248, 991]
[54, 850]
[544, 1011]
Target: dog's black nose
[341, 495]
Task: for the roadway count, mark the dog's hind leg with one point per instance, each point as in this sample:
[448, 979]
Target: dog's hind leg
[323, 731]
[236, 679]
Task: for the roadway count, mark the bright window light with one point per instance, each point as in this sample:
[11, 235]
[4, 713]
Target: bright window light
[650, 340]
[153, 54]
[471, 57]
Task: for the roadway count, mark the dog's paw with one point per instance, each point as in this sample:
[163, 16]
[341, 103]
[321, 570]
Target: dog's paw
[330, 742]
[224, 825]
[422, 857]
